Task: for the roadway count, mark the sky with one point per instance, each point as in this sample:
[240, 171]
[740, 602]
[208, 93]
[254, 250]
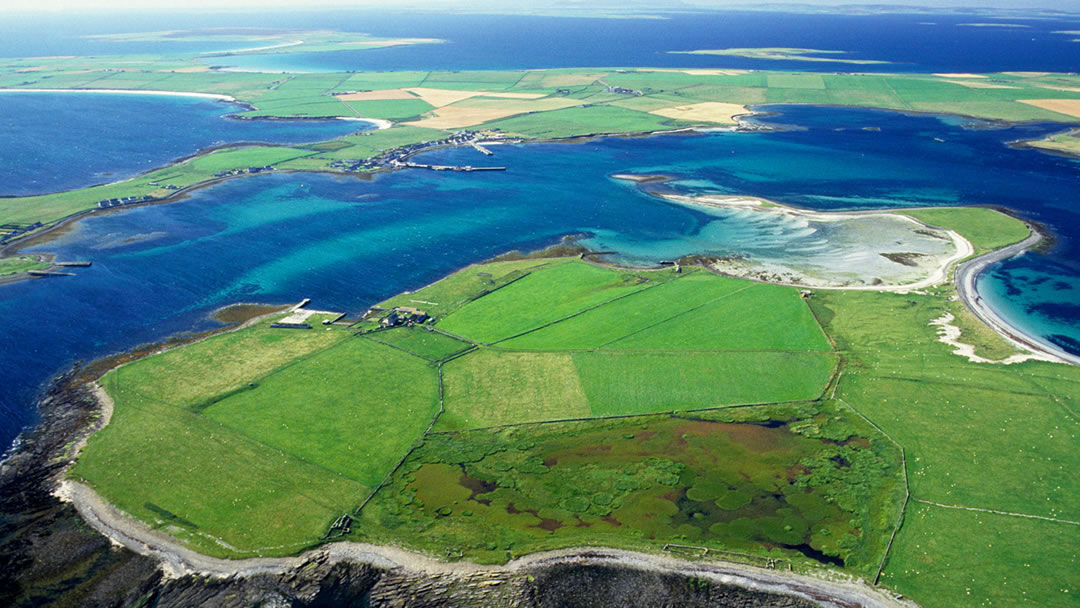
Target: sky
[474, 5]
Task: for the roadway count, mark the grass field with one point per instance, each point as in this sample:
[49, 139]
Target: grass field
[454, 291]
[959, 421]
[540, 298]
[493, 388]
[640, 383]
[352, 409]
[947, 557]
[986, 229]
[284, 431]
[429, 345]
[19, 264]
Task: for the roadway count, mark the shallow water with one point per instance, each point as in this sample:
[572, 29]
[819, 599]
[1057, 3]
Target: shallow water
[348, 243]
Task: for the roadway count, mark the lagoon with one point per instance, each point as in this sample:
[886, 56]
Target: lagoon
[347, 243]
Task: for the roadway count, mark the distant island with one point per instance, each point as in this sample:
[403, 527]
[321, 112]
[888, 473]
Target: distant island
[784, 54]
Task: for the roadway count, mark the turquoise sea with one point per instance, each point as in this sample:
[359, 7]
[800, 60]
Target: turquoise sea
[347, 242]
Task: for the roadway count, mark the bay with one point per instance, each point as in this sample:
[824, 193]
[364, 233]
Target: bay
[348, 243]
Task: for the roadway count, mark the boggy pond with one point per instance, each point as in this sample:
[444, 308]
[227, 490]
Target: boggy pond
[770, 482]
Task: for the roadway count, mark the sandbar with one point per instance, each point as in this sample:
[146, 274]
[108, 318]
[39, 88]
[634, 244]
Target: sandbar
[855, 250]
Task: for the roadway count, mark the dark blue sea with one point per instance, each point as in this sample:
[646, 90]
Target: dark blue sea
[56, 142]
[348, 243]
[939, 42]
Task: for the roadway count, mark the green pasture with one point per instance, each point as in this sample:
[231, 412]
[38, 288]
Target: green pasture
[985, 228]
[222, 364]
[421, 342]
[447, 295]
[19, 264]
[220, 491]
[490, 388]
[586, 120]
[626, 316]
[638, 383]
[754, 317]
[353, 409]
[370, 143]
[982, 436]
[944, 558]
[540, 298]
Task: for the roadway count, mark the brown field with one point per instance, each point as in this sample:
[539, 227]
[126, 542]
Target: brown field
[709, 111]
[483, 109]
[1069, 107]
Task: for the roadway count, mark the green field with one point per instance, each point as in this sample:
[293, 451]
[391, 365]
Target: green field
[19, 264]
[429, 345]
[493, 388]
[352, 409]
[640, 383]
[541, 298]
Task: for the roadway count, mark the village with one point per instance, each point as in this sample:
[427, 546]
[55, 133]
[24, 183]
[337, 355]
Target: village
[398, 158]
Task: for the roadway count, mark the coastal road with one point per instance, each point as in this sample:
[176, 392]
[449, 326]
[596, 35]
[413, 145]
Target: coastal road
[968, 272]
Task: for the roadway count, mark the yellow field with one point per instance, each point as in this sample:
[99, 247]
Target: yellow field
[1069, 107]
[709, 111]
[483, 109]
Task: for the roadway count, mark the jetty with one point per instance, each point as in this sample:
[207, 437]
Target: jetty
[466, 168]
[49, 273]
[482, 149]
